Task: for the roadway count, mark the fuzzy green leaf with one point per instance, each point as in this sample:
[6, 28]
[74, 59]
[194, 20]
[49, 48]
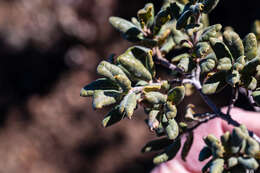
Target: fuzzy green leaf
[210, 32]
[109, 70]
[208, 63]
[234, 43]
[202, 49]
[170, 110]
[252, 146]
[224, 64]
[155, 97]
[134, 66]
[130, 31]
[104, 98]
[240, 63]
[128, 105]
[250, 43]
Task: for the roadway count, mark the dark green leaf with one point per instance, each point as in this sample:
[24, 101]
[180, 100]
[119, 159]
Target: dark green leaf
[99, 84]
[169, 153]
[187, 146]
[112, 117]
[214, 83]
[156, 145]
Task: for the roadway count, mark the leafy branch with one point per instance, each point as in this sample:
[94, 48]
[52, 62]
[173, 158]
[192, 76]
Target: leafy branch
[210, 61]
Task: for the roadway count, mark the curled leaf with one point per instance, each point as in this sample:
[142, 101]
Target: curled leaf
[224, 64]
[130, 31]
[182, 21]
[233, 78]
[109, 70]
[250, 43]
[210, 32]
[208, 63]
[170, 110]
[249, 163]
[234, 43]
[123, 82]
[179, 57]
[202, 49]
[134, 66]
[209, 5]
[161, 18]
[128, 104]
[250, 67]
[240, 63]
[146, 15]
[184, 64]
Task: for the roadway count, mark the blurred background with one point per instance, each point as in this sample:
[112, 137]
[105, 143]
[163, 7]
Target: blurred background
[49, 50]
